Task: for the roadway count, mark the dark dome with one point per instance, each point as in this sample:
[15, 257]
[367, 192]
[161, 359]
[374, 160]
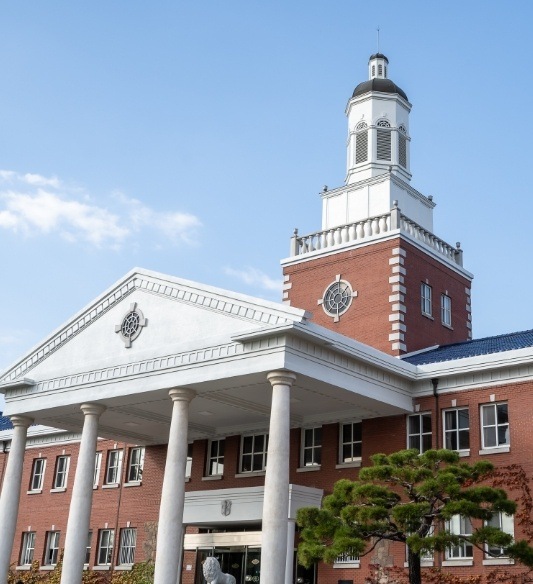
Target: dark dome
[379, 84]
[378, 56]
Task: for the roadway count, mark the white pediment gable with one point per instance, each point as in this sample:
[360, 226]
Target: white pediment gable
[180, 316]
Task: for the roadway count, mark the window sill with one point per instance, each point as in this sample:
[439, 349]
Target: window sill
[101, 568]
[24, 568]
[58, 490]
[498, 562]
[309, 468]
[187, 479]
[350, 565]
[463, 453]
[423, 564]
[46, 568]
[354, 464]
[111, 486]
[448, 326]
[133, 484]
[212, 478]
[255, 473]
[123, 568]
[496, 450]
[458, 562]
[37, 492]
[424, 314]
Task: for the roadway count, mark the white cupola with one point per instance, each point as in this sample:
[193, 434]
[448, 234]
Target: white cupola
[378, 126]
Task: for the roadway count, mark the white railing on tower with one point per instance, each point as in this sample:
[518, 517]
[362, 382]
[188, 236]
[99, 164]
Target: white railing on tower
[360, 231]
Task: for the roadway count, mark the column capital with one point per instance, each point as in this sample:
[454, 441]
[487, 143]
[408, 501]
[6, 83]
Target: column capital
[90, 409]
[21, 421]
[181, 394]
[281, 377]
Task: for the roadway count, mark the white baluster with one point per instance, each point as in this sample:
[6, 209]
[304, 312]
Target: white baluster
[375, 226]
[360, 230]
[383, 224]
[351, 232]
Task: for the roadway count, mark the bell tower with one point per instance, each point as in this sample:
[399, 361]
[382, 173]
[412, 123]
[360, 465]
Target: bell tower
[375, 271]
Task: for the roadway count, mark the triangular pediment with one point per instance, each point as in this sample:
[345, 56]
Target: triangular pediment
[178, 315]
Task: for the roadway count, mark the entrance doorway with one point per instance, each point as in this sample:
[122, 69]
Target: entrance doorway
[244, 564]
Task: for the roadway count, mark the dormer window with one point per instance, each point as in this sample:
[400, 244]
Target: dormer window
[361, 143]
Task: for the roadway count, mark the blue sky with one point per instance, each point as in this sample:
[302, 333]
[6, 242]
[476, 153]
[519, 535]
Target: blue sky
[192, 137]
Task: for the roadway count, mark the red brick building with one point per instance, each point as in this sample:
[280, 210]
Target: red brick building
[371, 351]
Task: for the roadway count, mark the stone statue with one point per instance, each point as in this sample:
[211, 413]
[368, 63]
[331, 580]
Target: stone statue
[213, 574]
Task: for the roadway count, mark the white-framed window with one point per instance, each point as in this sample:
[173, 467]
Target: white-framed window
[495, 425]
[104, 554]
[61, 474]
[383, 140]
[254, 453]
[97, 465]
[504, 523]
[114, 467]
[27, 549]
[188, 464]
[459, 525]
[37, 474]
[128, 539]
[88, 548]
[446, 309]
[350, 442]
[349, 557]
[361, 143]
[51, 551]
[135, 464]
[419, 432]
[456, 429]
[425, 298]
[215, 458]
[311, 446]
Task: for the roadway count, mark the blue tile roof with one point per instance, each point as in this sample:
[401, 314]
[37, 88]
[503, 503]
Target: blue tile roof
[5, 423]
[473, 348]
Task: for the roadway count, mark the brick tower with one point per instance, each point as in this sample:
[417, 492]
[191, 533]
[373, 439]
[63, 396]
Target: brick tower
[375, 272]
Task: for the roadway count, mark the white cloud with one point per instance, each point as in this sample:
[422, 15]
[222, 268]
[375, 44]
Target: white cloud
[32, 204]
[255, 277]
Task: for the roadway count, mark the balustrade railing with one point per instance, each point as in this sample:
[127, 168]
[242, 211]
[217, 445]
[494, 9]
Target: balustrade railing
[364, 230]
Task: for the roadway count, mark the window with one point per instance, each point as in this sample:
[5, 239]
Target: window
[495, 425]
[135, 465]
[446, 310]
[457, 429]
[311, 446]
[254, 453]
[105, 547]
[37, 474]
[349, 557]
[114, 465]
[419, 432]
[380, 69]
[128, 538]
[425, 299]
[88, 548]
[459, 525]
[361, 143]
[188, 465]
[506, 524]
[62, 466]
[215, 458]
[350, 442]
[383, 140]
[51, 551]
[97, 465]
[28, 547]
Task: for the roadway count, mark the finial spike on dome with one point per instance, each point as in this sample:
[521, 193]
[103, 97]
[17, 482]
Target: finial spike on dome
[378, 38]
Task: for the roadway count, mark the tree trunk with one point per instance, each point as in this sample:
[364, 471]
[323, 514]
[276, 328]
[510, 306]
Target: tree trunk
[415, 573]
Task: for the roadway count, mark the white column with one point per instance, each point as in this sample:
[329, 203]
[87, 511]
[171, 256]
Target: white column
[9, 500]
[82, 495]
[170, 527]
[289, 567]
[276, 501]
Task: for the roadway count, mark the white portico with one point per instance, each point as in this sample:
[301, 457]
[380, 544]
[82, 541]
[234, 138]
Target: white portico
[160, 360]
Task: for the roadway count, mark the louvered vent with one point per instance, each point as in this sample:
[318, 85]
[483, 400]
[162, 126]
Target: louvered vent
[402, 150]
[361, 147]
[384, 144]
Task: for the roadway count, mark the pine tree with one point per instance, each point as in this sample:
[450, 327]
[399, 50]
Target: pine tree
[408, 497]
